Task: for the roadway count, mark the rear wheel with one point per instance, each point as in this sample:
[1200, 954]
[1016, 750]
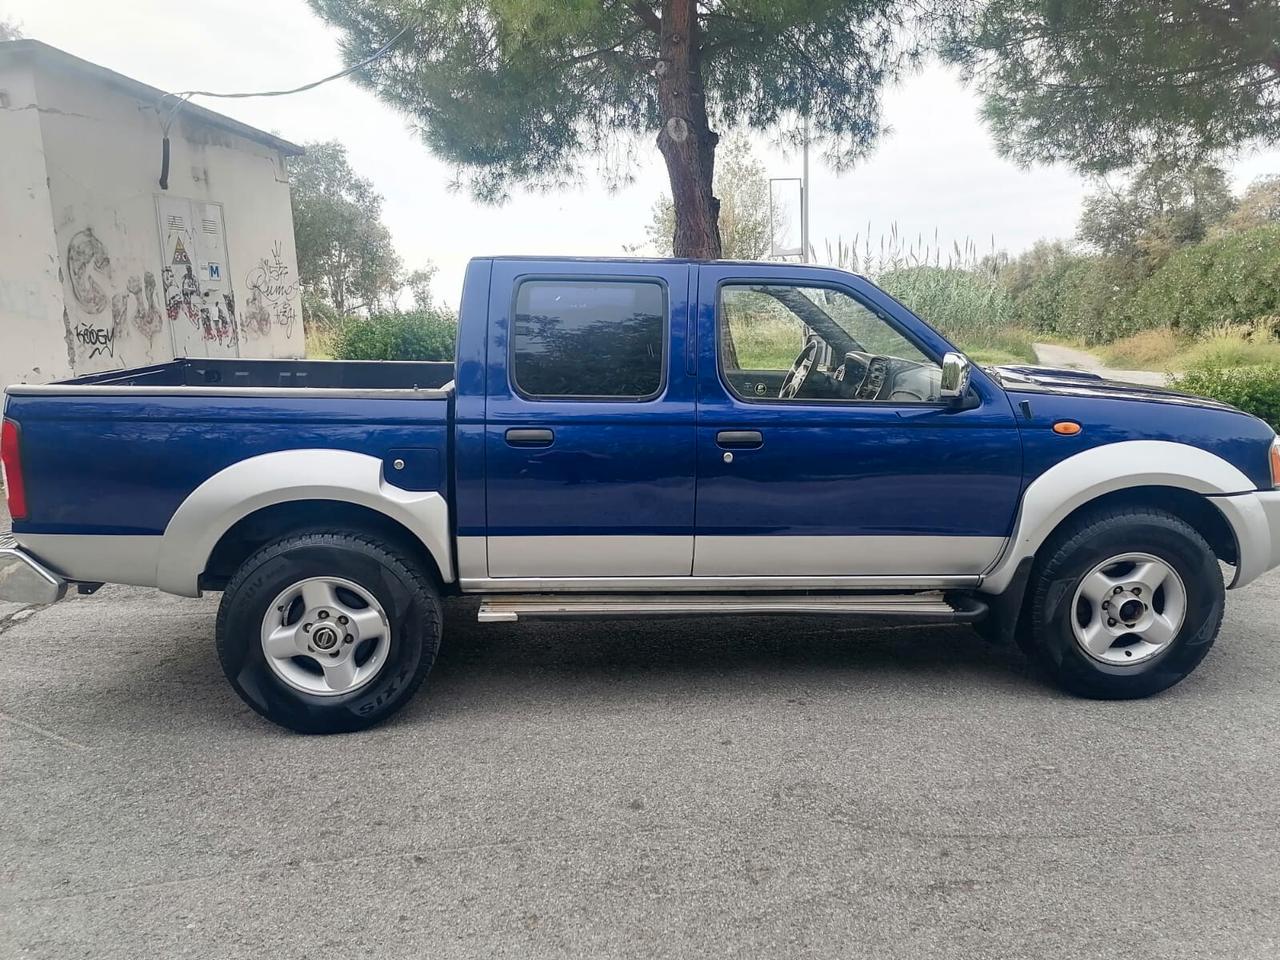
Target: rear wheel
[328, 632]
[1125, 603]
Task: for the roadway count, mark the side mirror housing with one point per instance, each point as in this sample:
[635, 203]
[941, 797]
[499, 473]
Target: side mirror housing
[955, 377]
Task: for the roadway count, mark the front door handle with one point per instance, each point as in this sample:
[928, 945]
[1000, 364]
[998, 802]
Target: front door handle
[740, 439]
[526, 437]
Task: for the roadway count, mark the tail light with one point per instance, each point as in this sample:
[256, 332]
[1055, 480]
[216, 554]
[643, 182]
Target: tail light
[11, 468]
[1275, 462]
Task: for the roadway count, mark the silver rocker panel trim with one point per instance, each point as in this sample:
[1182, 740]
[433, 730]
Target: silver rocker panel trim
[510, 608]
[703, 584]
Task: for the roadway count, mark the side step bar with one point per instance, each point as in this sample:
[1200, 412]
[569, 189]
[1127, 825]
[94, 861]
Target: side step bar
[923, 607]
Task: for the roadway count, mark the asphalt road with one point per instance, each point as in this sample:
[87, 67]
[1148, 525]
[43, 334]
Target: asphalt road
[757, 788]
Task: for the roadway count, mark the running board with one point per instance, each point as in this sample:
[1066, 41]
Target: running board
[924, 607]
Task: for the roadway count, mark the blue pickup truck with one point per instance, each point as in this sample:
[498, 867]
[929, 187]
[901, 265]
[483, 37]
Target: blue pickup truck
[637, 438]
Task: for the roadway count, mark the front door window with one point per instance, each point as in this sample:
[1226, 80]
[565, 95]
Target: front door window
[807, 344]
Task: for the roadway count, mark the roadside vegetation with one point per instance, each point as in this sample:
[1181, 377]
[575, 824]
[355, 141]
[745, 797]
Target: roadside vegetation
[428, 334]
[1167, 273]
[353, 282]
[963, 296]
[1170, 273]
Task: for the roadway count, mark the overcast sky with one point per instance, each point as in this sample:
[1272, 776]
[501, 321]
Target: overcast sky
[936, 172]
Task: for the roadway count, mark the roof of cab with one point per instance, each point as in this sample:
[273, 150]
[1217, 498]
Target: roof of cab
[544, 258]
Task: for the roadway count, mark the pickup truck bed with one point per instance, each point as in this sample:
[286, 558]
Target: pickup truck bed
[643, 438]
[119, 453]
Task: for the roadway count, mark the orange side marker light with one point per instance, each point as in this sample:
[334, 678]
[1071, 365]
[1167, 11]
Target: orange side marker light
[1067, 428]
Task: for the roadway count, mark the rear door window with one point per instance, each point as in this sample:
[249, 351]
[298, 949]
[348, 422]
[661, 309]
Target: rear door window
[589, 339]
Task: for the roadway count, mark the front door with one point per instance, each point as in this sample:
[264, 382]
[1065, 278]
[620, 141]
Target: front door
[589, 427]
[824, 448]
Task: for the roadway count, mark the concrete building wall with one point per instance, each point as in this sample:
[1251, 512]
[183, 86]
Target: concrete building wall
[129, 274]
[33, 339]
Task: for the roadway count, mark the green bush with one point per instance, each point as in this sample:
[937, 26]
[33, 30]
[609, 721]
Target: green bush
[1234, 279]
[963, 304]
[1095, 300]
[416, 335]
[1036, 283]
[1254, 390]
[970, 307]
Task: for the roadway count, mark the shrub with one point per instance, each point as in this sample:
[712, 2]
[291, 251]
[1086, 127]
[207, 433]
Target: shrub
[1234, 279]
[1254, 390]
[1035, 282]
[417, 335]
[1094, 302]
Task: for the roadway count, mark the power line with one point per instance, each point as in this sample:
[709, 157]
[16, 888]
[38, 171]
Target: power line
[185, 96]
[376, 55]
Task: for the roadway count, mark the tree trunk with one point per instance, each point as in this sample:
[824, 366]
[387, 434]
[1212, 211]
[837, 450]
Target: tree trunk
[686, 140]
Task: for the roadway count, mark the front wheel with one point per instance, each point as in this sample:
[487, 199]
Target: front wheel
[328, 632]
[1125, 603]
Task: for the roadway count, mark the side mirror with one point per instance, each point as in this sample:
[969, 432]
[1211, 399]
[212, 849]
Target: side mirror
[955, 377]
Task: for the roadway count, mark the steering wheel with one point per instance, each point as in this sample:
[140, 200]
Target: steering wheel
[799, 371]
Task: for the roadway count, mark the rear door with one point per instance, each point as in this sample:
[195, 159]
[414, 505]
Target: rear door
[824, 484]
[589, 432]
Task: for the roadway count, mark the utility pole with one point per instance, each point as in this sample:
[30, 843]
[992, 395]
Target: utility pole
[804, 196]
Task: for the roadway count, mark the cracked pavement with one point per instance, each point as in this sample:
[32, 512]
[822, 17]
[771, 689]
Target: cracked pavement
[733, 787]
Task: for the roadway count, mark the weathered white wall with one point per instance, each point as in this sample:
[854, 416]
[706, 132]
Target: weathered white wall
[33, 341]
[84, 192]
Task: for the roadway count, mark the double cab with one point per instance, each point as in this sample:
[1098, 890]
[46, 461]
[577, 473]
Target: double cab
[637, 438]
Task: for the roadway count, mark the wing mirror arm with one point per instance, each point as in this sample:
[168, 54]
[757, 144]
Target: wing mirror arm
[955, 381]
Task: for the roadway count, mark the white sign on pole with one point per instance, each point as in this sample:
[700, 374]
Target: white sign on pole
[785, 207]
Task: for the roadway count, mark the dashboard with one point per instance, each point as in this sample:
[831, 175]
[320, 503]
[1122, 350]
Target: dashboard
[865, 376]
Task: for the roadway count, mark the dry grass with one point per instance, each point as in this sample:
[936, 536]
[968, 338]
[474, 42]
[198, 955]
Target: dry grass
[1009, 345]
[1226, 349]
[1147, 350]
[319, 342]
[1224, 346]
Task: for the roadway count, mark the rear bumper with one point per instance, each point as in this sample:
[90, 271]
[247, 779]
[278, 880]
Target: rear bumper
[23, 579]
[1255, 520]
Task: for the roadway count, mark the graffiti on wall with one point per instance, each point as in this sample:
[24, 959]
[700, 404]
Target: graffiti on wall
[271, 293]
[92, 286]
[184, 298]
[146, 318]
[117, 314]
[135, 308]
[87, 264]
[97, 341]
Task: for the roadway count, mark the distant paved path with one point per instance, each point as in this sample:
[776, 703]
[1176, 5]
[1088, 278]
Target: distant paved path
[1054, 355]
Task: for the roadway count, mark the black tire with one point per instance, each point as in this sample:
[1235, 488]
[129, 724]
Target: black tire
[1048, 638]
[406, 593]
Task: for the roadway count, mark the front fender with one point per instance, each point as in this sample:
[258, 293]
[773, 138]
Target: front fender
[1088, 475]
[228, 496]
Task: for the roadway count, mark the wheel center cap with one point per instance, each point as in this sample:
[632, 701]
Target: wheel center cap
[326, 638]
[1131, 610]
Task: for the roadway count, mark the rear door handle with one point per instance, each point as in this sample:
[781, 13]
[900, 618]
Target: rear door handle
[740, 439]
[526, 437]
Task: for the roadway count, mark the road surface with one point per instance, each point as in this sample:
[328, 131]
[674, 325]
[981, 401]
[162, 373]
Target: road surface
[1056, 355]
